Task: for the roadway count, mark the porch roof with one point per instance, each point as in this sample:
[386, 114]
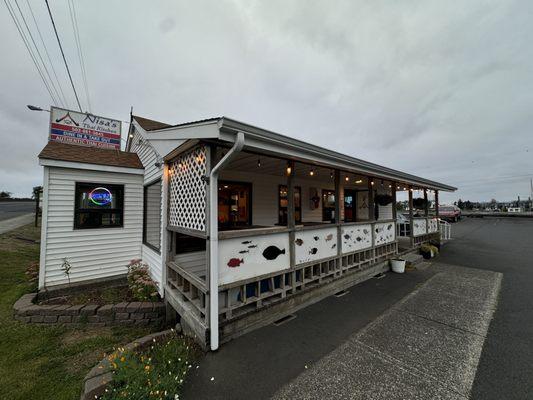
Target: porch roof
[271, 143]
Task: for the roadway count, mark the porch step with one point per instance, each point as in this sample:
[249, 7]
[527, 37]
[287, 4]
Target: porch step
[413, 258]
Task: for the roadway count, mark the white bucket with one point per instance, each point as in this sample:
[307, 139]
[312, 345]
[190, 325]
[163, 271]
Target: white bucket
[398, 266]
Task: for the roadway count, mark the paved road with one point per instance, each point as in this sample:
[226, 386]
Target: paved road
[12, 209]
[504, 245]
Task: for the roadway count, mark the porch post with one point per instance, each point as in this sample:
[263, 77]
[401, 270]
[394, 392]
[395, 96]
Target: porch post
[291, 223]
[437, 203]
[393, 194]
[371, 214]
[410, 191]
[338, 220]
[426, 210]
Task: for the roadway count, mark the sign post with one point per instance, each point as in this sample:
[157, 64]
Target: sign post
[68, 126]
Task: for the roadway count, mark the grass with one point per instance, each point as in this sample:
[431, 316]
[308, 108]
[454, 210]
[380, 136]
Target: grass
[39, 362]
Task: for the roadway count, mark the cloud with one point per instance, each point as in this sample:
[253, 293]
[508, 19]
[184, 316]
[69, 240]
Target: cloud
[427, 87]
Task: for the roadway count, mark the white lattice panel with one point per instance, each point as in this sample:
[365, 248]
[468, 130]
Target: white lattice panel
[188, 191]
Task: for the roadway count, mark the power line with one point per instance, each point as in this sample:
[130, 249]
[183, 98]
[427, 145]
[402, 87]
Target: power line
[30, 52]
[39, 53]
[81, 58]
[63, 54]
[47, 53]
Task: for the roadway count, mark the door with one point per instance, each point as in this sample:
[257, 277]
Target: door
[350, 205]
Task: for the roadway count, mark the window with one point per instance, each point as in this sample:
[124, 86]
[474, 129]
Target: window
[284, 203]
[152, 216]
[98, 205]
[234, 205]
[350, 201]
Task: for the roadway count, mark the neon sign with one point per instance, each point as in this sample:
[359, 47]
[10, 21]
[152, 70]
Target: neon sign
[100, 196]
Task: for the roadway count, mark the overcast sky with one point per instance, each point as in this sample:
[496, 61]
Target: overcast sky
[439, 89]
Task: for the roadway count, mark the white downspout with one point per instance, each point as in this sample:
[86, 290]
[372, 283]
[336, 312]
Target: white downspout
[213, 238]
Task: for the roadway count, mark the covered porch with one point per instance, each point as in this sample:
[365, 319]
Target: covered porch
[274, 232]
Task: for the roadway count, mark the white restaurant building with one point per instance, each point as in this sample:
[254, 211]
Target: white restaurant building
[267, 222]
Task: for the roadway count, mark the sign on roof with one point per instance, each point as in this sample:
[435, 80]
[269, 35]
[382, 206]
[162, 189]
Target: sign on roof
[84, 129]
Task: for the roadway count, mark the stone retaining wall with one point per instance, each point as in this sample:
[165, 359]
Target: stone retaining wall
[134, 313]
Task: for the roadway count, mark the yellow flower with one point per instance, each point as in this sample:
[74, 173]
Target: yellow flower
[122, 358]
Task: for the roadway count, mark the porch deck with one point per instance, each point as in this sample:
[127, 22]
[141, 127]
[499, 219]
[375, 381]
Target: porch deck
[194, 262]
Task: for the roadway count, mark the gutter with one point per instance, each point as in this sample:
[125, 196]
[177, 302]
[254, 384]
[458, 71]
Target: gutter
[213, 239]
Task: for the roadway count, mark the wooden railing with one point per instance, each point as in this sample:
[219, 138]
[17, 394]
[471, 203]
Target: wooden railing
[340, 249]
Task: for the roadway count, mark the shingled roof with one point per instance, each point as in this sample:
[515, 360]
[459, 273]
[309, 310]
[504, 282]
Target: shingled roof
[90, 155]
[150, 124]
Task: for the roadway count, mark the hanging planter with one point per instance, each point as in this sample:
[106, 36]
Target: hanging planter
[383, 199]
[419, 202]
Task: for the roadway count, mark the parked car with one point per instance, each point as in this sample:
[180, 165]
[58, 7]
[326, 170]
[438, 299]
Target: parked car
[450, 213]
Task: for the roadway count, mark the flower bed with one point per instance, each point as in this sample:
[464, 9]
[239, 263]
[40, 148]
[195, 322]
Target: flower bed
[151, 367]
[124, 313]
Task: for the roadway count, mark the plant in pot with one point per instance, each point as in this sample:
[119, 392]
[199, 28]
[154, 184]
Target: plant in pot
[383, 199]
[419, 203]
[425, 251]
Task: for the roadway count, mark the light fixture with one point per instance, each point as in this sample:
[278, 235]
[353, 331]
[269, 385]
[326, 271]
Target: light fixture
[404, 188]
[289, 169]
[390, 186]
[397, 187]
[359, 181]
[382, 182]
[331, 174]
[346, 179]
[259, 162]
[372, 183]
[312, 172]
[131, 135]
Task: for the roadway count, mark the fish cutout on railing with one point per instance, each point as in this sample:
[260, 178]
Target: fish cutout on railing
[316, 238]
[272, 252]
[347, 236]
[314, 250]
[244, 251]
[299, 242]
[329, 237]
[253, 246]
[235, 262]
[247, 242]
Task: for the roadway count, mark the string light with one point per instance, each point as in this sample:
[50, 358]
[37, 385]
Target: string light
[289, 169]
[312, 172]
[346, 179]
[259, 162]
[372, 183]
[331, 174]
[359, 181]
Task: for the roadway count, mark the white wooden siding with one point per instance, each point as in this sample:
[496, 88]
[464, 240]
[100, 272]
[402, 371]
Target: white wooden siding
[149, 157]
[93, 253]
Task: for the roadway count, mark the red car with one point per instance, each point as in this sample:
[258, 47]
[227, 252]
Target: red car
[450, 213]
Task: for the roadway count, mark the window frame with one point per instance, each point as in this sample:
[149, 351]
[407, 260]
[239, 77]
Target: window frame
[78, 210]
[145, 188]
[249, 187]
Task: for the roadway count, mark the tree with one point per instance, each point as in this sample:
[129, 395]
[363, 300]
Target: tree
[5, 195]
[36, 189]
[460, 204]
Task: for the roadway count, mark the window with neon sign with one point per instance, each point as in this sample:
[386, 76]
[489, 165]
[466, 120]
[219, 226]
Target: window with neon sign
[98, 205]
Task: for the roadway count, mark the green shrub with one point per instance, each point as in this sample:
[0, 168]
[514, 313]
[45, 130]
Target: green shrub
[142, 287]
[157, 373]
